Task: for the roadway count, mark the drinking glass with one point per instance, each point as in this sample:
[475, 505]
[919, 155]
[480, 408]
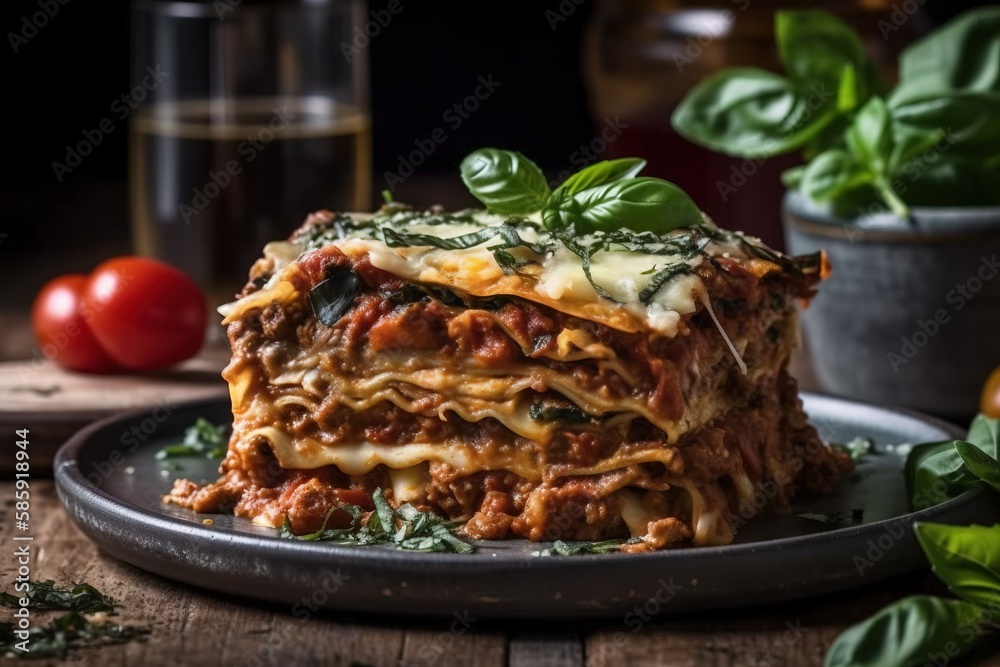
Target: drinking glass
[251, 116]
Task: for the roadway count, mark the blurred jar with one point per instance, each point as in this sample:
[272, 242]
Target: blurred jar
[254, 114]
[643, 56]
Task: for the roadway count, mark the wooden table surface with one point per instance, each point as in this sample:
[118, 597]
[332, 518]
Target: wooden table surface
[189, 626]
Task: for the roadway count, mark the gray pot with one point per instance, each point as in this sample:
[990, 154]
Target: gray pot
[911, 312]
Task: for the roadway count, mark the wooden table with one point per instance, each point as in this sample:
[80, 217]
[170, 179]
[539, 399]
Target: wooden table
[194, 627]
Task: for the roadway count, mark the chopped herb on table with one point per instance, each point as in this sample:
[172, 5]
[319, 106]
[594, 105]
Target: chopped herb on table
[406, 528]
[69, 631]
[46, 595]
[201, 439]
[87, 625]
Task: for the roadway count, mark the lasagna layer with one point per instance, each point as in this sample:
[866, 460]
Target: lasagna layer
[518, 404]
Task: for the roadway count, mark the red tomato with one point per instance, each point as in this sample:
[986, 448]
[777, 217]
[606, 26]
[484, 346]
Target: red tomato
[990, 403]
[61, 329]
[355, 497]
[145, 313]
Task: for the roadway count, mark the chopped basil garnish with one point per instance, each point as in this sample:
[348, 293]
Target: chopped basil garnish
[506, 231]
[201, 439]
[46, 595]
[69, 631]
[406, 528]
[662, 278]
[560, 548]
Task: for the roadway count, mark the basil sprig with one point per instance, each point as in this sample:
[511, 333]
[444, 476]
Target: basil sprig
[937, 471]
[934, 140]
[605, 196]
[965, 558]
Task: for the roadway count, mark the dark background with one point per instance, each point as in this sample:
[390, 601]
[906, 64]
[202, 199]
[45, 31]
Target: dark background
[64, 79]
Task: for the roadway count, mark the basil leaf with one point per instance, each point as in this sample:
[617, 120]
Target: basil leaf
[966, 125]
[560, 548]
[384, 512]
[792, 177]
[870, 136]
[817, 48]
[967, 558]
[849, 94]
[984, 433]
[833, 173]
[751, 113]
[935, 471]
[505, 181]
[601, 173]
[909, 147]
[905, 633]
[334, 296]
[980, 464]
[962, 55]
[640, 204]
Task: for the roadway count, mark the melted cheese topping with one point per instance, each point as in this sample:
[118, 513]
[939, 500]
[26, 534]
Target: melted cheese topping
[555, 278]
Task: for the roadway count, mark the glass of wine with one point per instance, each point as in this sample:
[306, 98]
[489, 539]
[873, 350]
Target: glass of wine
[253, 114]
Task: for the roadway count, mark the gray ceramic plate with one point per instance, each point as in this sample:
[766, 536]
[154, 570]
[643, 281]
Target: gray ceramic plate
[111, 484]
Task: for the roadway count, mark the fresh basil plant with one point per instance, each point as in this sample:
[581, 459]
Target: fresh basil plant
[933, 140]
[605, 196]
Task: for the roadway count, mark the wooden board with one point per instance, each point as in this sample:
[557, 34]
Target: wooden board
[53, 403]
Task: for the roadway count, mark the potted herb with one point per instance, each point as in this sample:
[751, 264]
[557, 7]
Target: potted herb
[900, 186]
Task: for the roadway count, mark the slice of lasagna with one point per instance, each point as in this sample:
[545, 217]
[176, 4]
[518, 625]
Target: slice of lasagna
[527, 383]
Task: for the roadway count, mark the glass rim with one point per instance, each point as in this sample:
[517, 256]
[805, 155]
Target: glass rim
[202, 9]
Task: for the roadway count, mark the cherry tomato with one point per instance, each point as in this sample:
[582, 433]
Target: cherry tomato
[989, 405]
[145, 313]
[61, 329]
